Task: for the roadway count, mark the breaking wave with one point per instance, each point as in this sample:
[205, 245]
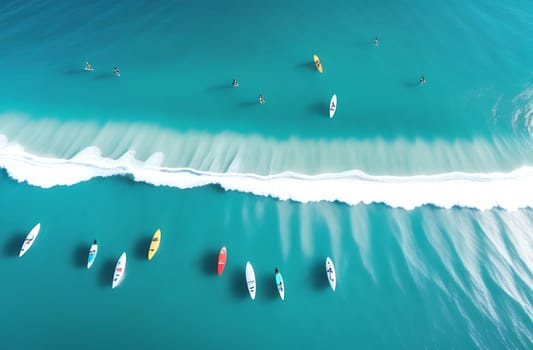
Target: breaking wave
[507, 190]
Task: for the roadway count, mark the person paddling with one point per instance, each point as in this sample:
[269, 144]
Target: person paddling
[280, 285]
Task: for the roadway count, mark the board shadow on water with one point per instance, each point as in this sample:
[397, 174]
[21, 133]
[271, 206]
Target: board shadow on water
[411, 84]
[208, 262]
[248, 104]
[220, 87]
[317, 276]
[104, 76]
[107, 269]
[268, 287]
[319, 109]
[73, 71]
[307, 65]
[13, 245]
[141, 248]
[238, 284]
[80, 254]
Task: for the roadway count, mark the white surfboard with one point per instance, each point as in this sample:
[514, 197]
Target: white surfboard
[120, 269]
[330, 271]
[280, 285]
[30, 238]
[332, 106]
[92, 254]
[250, 280]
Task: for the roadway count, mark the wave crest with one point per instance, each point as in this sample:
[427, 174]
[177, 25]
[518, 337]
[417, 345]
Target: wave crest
[511, 190]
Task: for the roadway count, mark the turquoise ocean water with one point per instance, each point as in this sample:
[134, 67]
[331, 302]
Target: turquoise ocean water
[421, 195]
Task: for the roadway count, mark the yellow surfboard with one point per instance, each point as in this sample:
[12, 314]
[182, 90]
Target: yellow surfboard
[318, 65]
[154, 245]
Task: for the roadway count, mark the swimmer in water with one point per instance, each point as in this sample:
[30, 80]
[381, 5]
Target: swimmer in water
[234, 83]
[261, 99]
[116, 71]
[422, 80]
[376, 41]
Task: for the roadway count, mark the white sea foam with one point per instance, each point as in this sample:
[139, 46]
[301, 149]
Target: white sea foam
[437, 237]
[523, 109]
[359, 226]
[344, 170]
[402, 229]
[512, 190]
[333, 223]
[495, 249]
[251, 153]
[285, 215]
[501, 267]
[472, 255]
[306, 232]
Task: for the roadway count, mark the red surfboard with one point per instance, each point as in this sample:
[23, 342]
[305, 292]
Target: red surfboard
[222, 256]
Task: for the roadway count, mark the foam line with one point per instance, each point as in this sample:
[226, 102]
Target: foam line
[257, 154]
[511, 190]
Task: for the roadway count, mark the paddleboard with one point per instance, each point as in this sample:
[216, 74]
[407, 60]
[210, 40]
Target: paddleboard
[332, 106]
[330, 271]
[120, 269]
[318, 65]
[30, 238]
[92, 254]
[222, 256]
[154, 245]
[280, 285]
[250, 280]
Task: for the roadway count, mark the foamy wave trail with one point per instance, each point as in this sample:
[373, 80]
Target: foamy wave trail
[511, 190]
[252, 153]
[523, 109]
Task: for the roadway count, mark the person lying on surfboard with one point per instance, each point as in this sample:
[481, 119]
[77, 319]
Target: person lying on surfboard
[261, 99]
[116, 71]
[234, 83]
[422, 80]
[376, 41]
[279, 284]
[88, 66]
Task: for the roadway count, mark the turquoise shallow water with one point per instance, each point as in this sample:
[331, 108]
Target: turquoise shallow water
[411, 278]
[422, 279]
[177, 63]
